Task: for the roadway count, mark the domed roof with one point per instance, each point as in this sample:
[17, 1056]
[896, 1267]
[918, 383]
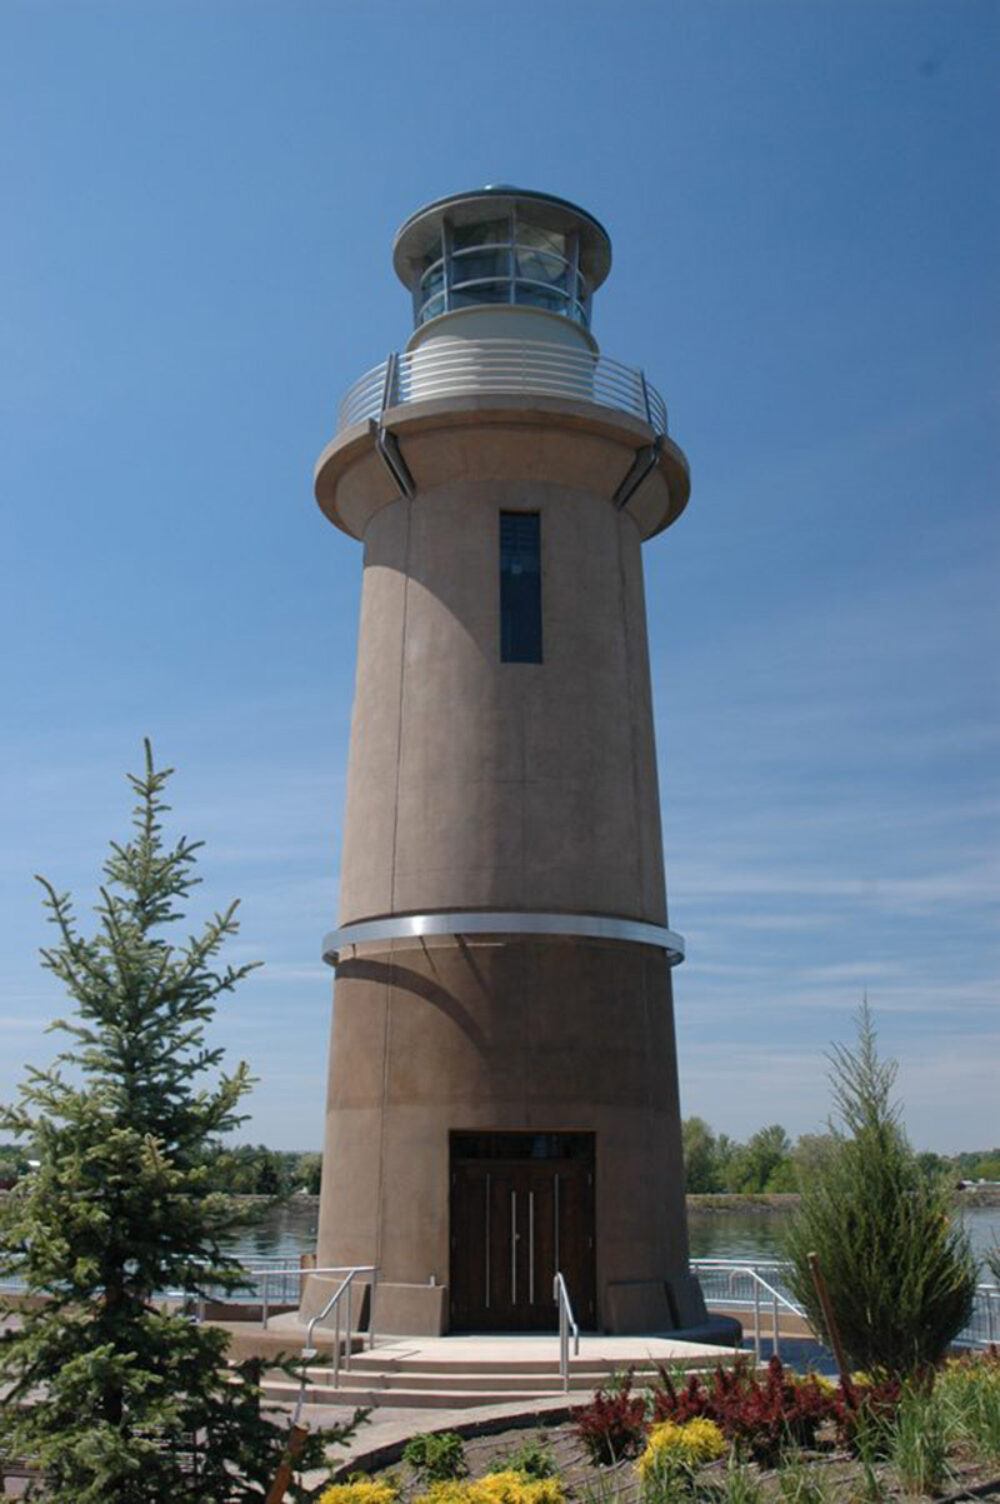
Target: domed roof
[421, 233]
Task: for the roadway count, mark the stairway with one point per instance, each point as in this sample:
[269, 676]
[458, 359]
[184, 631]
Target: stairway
[463, 1373]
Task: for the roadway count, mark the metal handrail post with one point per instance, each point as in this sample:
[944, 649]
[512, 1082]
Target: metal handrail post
[371, 1310]
[350, 1324]
[774, 1316]
[385, 400]
[264, 1300]
[566, 1321]
[756, 1320]
[645, 398]
[563, 1343]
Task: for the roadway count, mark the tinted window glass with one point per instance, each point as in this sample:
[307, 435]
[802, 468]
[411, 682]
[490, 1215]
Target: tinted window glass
[544, 240]
[490, 232]
[520, 588]
[522, 1146]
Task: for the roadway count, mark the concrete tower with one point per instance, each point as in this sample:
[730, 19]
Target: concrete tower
[503, 1082]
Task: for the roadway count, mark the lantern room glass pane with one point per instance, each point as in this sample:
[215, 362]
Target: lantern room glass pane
[468, 266]
[432, 281]
[432, 308]
[532, 295]
[537, 267]
[541, 240]
[479, 292]
[488, 232]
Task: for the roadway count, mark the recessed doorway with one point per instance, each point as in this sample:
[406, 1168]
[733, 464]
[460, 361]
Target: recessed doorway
[522, 1207]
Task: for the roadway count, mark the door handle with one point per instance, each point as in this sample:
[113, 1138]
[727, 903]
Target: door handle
[531, 1248]
[487, 1302]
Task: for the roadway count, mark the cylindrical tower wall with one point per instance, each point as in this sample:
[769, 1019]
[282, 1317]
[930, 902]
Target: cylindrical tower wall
[479, 784]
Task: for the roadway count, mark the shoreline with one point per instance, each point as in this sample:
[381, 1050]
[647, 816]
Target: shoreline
[761, 1203]
[776, 1203]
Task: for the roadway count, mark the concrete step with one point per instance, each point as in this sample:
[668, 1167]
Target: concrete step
[351, 1394]
[594, 1367]
[435, 1372]
[454, 1380]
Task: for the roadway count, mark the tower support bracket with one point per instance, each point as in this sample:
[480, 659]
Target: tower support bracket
[386, 443]
[644, 462]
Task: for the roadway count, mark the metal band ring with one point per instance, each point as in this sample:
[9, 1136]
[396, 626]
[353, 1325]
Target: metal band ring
[503, 922]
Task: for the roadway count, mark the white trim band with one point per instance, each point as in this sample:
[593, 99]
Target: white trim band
[502, 922]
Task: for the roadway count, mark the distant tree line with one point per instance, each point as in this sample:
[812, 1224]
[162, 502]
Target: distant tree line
[715, 1163]
[254, 1170]
[246, 1170]
[769, 1162]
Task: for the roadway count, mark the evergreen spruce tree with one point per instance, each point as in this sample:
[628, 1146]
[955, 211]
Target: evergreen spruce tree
[110, 1393]
[898, 1266]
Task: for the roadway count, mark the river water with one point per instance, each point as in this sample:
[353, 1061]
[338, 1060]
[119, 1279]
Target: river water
[289, 1230]
[758, 1235]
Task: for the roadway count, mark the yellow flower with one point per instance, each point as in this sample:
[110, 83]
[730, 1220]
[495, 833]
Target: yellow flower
[495, 1488]
[691, 1444]
[359, 1491]
[447, 1492]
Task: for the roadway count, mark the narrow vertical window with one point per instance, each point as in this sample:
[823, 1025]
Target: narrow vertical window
[520, 588]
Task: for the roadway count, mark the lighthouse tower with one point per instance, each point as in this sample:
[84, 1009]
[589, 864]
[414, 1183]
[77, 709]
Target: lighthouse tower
[503, 1098]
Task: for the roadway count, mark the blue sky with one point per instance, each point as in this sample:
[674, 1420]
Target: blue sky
[199, 200]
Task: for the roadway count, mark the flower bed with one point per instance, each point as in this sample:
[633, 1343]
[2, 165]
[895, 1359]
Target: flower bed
[736, 1436]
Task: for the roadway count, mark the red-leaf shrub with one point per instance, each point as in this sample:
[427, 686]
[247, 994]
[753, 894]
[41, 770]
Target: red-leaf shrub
[613, 1425]
[761, 1415]
[870, 1410]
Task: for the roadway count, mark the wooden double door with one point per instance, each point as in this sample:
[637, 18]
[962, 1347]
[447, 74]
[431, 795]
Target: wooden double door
[522, 1208]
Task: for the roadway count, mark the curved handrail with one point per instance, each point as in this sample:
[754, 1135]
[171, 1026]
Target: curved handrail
[448, 368]
[567, 1323]
[343, 1290]
[759, 1284]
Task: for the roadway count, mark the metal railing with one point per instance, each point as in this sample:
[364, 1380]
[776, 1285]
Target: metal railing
[726, 1283]
[454, 368]
[763, 1284]
[342, 1295]
[267, 1281]
[983, 1329]
[567, 1324]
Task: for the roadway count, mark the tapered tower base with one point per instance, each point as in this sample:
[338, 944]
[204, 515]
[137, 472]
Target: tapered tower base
[500, 1109]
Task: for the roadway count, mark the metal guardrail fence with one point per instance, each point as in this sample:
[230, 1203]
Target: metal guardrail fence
[757, 1287]
[453, 368]
[762, 1286]
[268, 1281]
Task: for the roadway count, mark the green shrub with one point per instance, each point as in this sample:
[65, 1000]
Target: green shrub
[440, 1455]
[799, 1482]
[532, 1459]
[970, 1387]
[899, 1269]
[919, 1446]
[740, 1484]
